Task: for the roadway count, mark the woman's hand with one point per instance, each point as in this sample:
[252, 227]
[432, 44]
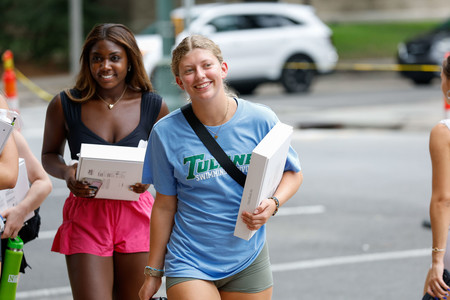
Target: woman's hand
[436, 286]
[149, 288]
[15, 218]
[139, 188]
[78, 188]
[260, 215]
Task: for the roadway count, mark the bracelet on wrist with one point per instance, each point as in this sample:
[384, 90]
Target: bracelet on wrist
[436, 249]
[153, 272]
[277, 204]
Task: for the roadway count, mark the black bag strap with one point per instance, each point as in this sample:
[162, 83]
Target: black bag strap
[212, 145]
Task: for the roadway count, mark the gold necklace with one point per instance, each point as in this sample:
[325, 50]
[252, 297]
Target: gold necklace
[110, 106]
[216, 134]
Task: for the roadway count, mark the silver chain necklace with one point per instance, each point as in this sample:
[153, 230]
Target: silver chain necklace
[216, 134]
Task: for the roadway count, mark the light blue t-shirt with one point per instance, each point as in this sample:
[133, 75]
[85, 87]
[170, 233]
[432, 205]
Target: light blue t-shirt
[202, 244]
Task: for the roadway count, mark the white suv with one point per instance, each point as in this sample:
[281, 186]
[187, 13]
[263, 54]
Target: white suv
[259, 39]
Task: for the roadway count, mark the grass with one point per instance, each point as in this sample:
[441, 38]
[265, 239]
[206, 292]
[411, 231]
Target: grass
[374, 40]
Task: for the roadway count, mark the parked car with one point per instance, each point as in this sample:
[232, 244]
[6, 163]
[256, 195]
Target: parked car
[264, 42]
[151, 45]
[426, 49]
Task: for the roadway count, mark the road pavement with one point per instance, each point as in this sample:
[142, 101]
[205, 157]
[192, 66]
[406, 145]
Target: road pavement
[374, 124]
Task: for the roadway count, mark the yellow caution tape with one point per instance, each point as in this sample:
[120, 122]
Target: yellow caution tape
[369, 67]
[33, 87]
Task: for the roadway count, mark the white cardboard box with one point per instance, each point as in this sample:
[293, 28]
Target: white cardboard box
[12, 197]
[5, 132]
[117, 167]
[264, 173]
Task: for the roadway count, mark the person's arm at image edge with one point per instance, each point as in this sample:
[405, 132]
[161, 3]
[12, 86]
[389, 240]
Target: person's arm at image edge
[9, 159]
[439, 205]
[40, 188]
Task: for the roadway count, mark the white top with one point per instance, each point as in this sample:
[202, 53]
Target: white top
[446, 122]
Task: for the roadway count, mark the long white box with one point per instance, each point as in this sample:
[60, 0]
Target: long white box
[264, 173]
[5, 132]
[12, 197]
[117, 167]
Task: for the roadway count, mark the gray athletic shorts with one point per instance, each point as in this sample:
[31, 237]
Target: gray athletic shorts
[254, 279]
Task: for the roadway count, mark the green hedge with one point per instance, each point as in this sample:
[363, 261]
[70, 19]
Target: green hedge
[375, 40]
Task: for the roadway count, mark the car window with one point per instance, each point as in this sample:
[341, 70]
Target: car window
[231, 22]
[244, 22]
[268, 21]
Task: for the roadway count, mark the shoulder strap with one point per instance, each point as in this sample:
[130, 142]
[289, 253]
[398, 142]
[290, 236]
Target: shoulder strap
[150, 108]
[212, 145]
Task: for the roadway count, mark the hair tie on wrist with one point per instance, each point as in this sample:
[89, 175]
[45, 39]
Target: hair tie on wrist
[153, 272]
[436, 249]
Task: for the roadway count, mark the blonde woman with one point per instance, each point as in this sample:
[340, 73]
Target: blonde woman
[193, 219]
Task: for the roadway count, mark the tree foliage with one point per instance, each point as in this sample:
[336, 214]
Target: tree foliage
[38, 31]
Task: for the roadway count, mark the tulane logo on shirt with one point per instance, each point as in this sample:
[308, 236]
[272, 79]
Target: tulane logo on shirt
[201, 168]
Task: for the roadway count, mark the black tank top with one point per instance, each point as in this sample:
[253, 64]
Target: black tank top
[79, 133]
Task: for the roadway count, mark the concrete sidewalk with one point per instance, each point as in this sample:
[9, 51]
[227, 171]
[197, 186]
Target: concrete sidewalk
[419, 116]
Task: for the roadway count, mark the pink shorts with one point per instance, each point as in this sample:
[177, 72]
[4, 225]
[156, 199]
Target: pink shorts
[102, 226]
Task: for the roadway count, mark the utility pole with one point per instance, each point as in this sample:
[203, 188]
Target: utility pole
[76, 32]
[163, 79]
[165, 27]
[187, 7]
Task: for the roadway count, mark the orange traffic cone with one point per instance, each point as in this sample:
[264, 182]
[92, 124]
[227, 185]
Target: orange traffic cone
[9, 81]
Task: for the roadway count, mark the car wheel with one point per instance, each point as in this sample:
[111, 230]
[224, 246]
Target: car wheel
[244, 88]
[423, 80]
[297, 80]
